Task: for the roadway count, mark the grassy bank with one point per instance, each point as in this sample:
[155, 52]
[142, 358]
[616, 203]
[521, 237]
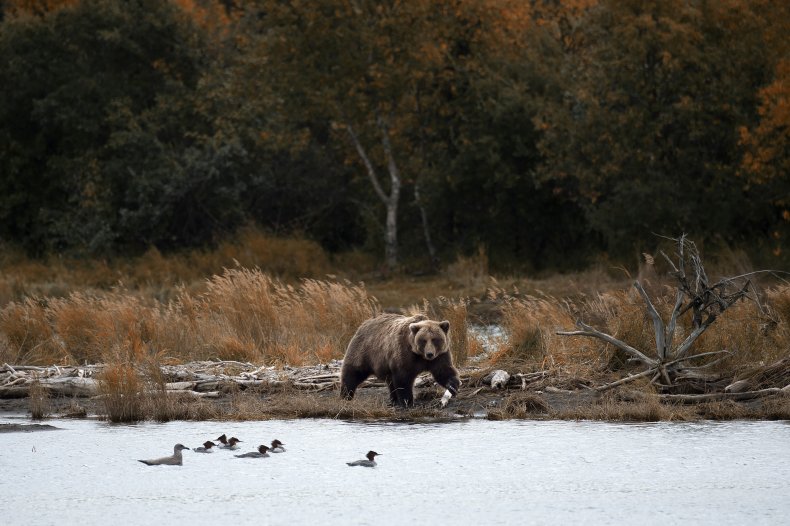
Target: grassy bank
[242, 302]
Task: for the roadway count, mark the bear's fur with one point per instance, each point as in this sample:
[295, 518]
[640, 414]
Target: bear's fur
[396, 349]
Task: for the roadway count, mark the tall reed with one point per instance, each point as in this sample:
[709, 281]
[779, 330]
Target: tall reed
[38, 401]
[120, 388]
[756, 333]
[244, 314]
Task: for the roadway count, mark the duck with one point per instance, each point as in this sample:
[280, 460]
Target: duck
[232, 444]
[174, 460]
[262, 452]
[369, 463]
[277, 447]
[226, 443]
[205, 448]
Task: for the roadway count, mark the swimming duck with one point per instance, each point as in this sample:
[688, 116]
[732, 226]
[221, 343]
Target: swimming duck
[228, 444]
[262, 452]
[205, 448]
[231, 444]
[369, 463]
[277, 446]
[174, 460]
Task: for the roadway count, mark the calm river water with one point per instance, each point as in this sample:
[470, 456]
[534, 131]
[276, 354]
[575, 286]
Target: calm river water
[474, 472]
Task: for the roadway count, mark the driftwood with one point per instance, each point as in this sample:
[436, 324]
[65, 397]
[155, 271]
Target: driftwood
[705, 300]
[205, 379]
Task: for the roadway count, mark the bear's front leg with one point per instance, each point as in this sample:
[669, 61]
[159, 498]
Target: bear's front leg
[393, 391]
[445, 374]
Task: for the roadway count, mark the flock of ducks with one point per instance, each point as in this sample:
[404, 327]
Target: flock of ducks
[232, 443]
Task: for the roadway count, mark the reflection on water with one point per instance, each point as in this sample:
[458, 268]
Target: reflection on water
[475, 472]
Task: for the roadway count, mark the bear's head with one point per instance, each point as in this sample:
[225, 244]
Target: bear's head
[429, 338]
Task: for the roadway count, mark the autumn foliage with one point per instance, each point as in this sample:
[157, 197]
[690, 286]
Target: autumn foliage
[549, 132]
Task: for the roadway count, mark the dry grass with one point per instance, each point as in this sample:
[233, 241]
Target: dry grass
[616, 411]
[165, 407]
[282, 404]
[120, 388]
[154, 275]
[243, 315]
[776, 408]
[757, 334]
[519, 405]
[38, 401]
[530, 324]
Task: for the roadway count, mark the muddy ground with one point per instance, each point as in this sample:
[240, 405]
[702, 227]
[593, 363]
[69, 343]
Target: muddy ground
[371, 405]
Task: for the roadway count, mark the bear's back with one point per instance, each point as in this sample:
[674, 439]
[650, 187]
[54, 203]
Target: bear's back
[381, 340]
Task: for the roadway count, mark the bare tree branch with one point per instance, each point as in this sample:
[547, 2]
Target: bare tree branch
[658, 324]
[589, 331]
[368, 165]
[625, 380]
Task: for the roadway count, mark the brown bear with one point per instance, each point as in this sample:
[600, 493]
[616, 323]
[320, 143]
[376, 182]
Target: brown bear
[396, 349]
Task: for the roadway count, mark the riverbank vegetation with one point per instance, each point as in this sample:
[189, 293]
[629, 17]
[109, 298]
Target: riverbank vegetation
[256, 320]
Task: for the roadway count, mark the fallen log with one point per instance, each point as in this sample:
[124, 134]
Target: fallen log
[67, 386]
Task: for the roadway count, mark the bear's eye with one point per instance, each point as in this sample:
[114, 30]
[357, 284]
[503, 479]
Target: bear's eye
[421, 343]
[437, 342]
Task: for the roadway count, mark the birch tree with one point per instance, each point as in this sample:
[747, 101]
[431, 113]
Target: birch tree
[365, 74]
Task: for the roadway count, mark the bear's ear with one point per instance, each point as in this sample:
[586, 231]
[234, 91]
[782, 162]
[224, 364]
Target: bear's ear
[414, 327]
[445, 325]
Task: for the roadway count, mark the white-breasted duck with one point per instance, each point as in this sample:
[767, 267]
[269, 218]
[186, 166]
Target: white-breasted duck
[228, 443]
[262, 452]
[369, 463]
[174, 460]
[233, 443]
[277, 447]
[205, 448]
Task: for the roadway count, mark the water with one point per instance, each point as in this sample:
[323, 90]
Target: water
[475, 472]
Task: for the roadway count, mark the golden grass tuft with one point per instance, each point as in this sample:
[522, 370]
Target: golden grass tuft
[530, 324]
[158, 275]
[777, 407]
[120, 388]
[288, 324]
[319, 405]
[608, 407]
[721, 410]
[28, 334]
[519, 405]
[469, 271]
[38, 401]
[755, 334]
[244, 315]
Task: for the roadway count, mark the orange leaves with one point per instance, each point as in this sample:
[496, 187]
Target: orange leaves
[767, 145]
[209, 15]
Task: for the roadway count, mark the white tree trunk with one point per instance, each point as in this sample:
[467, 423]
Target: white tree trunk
[390, 200]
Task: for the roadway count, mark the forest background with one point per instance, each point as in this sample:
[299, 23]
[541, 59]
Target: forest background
[547, 133]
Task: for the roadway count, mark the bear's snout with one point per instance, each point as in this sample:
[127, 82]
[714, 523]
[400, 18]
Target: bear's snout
[429, 355]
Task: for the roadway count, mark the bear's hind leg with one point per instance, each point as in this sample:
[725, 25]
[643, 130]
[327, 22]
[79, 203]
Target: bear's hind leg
[404, 390]
[349, 381]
